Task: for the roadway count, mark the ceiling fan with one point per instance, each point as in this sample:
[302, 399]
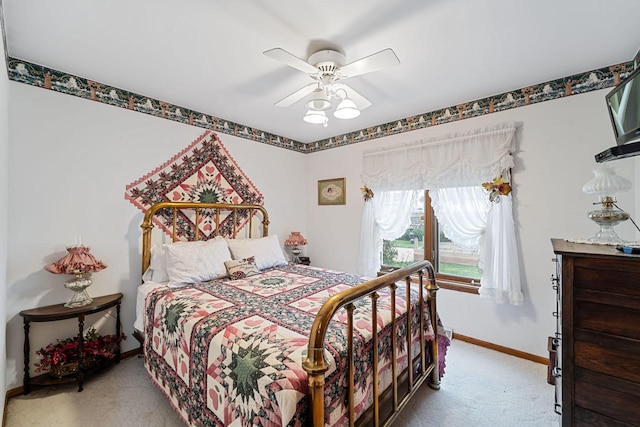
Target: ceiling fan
[328, 68]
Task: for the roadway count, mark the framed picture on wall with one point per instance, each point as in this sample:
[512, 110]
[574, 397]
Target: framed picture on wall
[332, 191]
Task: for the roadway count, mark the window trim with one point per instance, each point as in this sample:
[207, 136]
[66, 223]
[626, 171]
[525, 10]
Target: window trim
[431, 233]
[445, 281]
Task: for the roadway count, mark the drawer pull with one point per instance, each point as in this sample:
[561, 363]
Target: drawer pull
[557, 408]
[555, 314]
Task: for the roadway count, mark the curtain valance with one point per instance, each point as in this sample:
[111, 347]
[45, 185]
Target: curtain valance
[449, 161]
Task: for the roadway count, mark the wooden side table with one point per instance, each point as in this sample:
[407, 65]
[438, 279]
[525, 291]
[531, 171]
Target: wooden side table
[60, 312]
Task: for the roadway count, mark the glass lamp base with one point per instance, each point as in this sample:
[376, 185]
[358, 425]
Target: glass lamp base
[80, 298]
[607, 218]
[295, 255]
[606, 236]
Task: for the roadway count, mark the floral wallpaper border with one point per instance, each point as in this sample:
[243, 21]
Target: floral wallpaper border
[47, 78]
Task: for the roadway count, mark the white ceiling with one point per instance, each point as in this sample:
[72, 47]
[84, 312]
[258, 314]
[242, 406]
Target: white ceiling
[206, 55]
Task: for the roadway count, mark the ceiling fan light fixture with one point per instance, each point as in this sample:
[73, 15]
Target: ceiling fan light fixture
[318, 101]
[346, 109]
[316, 117]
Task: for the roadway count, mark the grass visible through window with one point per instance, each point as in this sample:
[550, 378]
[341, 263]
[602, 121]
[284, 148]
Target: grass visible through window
[395, 255]
[460, 270]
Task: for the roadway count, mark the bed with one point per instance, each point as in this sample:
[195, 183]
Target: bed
[262, 341]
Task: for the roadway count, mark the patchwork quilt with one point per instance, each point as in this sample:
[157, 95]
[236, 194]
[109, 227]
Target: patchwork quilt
[230, 352]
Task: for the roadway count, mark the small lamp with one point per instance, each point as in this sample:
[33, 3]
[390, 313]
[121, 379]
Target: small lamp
[77, 261]
[606, 184]
[295, 239]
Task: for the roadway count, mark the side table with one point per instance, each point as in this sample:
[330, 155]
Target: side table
[60, 312]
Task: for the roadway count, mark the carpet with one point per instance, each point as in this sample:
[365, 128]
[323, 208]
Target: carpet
[480, 388]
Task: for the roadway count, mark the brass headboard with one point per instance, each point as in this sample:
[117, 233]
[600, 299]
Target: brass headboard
[217, 208]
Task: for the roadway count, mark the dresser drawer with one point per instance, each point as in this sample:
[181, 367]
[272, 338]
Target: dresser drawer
[607, 354]
[607, 275]
[610, 402]
[610, 319]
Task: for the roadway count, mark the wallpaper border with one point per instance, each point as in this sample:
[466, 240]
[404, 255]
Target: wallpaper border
[47, 78]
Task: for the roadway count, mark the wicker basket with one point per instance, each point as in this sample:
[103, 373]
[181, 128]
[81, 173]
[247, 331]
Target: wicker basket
[64, 369]
[71, 368]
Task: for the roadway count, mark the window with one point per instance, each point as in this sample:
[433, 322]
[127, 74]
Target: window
[453, 167]
[456, 265]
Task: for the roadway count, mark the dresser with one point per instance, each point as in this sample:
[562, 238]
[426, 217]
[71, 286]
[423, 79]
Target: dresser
[598, 363]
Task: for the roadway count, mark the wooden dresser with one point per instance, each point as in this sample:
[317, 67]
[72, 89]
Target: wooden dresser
[599, 347]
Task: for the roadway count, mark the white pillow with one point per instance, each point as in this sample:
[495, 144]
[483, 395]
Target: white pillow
[194, 262]
[157, 271]
[266, 251]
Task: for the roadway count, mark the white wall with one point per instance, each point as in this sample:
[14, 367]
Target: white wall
[4, 188]
[69, 161]
[557, 143]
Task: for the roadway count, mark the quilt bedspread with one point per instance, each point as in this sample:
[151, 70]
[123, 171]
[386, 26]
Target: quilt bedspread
[229, 353]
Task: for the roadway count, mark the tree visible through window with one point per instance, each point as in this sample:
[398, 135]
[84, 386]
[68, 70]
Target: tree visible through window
[455, 265]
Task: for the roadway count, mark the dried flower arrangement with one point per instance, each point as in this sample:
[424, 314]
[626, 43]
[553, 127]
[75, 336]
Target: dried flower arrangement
[496, 188]
[367, 193]
[96, 349]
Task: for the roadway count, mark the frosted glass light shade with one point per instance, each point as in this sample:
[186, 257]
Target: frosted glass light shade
[315, 117]
[318, 101]
[346, 110]
[606, 182]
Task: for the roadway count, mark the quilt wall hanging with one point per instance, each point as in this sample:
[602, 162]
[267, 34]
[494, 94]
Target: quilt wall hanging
[202, 172]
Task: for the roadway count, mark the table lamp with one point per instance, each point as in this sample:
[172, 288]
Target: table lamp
[606, 184]
[295, 239]
[77, 261]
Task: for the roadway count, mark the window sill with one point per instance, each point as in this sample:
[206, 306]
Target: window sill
[457, 286]
[442, 282]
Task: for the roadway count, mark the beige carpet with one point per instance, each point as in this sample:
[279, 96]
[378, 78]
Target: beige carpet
[480, 388]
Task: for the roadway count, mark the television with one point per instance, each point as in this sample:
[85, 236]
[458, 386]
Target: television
[623, 103]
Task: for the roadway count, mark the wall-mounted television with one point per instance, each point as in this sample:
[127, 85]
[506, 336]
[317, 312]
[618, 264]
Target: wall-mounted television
[623, 103]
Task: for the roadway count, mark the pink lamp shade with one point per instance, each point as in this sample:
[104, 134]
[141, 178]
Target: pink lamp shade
[77, 261]
[296, 239]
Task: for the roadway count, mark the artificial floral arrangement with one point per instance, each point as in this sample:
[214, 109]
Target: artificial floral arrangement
[96, 348]
[496, 188]
[367, 193]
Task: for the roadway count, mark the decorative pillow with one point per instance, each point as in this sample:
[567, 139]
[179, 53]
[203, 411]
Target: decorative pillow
[241, 268]
[194, 262]
[266, 251]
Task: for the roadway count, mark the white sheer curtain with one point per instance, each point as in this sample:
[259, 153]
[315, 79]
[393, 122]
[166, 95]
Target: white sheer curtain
[500, 269]
[459, 160]
[462, 213]
[444, 165]
[385, 217]
[467, 217]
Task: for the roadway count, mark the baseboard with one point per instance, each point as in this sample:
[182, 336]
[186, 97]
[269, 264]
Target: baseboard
[502, 349]
[10, 393]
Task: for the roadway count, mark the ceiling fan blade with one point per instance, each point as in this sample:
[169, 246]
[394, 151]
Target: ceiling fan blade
[374, 62]
[291, 60]
[297, 95]
[360, 101]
